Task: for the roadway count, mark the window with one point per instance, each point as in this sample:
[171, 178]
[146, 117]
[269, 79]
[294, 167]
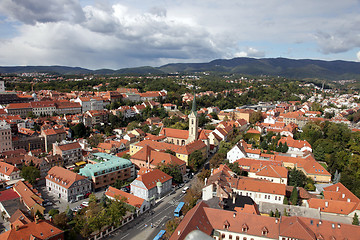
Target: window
[230, 236]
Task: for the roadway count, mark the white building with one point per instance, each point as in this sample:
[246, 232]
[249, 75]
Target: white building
[90, 103]
[8, 172]
[5, 137]
[67, 185]
[236, 153]
[151, 185]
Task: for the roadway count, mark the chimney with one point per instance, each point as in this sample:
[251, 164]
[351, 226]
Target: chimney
[348, 200]
[326, 204]
[337, 189]
[179, 232]
[276, 220]
[234, 198]
[320, 222]
[343, 195]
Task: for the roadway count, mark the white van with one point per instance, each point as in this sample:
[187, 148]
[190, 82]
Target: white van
[185, 190]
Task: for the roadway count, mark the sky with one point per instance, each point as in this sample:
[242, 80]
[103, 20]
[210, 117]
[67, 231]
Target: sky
[116, 34]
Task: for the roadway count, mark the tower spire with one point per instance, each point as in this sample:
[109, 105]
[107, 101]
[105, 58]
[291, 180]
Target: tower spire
[193, 109]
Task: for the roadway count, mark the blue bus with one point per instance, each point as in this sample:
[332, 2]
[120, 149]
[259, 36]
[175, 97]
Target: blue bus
[177, 211]
[159, 235]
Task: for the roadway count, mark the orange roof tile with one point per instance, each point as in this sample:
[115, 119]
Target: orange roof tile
[151, 178]
[129, 198]
[63, 177]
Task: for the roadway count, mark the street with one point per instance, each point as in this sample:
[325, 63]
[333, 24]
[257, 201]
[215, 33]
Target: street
[140, 228]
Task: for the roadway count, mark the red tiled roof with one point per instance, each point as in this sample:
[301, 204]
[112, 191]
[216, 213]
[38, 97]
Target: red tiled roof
[257, 185]
[175, 133]
[41, 230]
[69, 146]
[8, 194]
[129, 198]
[7, 169]
[151, 178]
[332, 206]
[63, 177]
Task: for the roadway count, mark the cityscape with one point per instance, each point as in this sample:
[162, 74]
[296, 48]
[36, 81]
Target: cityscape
[179, 120]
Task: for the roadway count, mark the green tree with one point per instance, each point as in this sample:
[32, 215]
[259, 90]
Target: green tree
[172, 170]
[117, 211]
[61, 220]
[277, 214]
[53, 212]
[79, 130]
[296, 178]
[196, 159]
[294, 197]
[355, 220]
[30, 174]
[95, 140]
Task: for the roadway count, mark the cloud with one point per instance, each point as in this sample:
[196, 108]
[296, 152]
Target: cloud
[116, 34]
[42, 11]
[358, 56]
[250, 52]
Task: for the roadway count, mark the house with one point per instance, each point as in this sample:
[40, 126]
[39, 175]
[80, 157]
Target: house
[39, 230]
[90, 103]
[104, 169]
[151, 185]
[52, 135]
[296, 146]
[182, 152]
[44, 164]
[22, 109]
[43, 108]
[66, 184]
[70, 151]
[272, 173]
[170, 107]
[5, 137]
[9, 202]
[8, 172]
[223, 224]
[237, 152]
[29, 196]
[148, 157]
[141, 205]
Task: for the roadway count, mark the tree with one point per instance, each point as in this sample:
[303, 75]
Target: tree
[31, 114]
[95, 140]
[277, 214]
[271, 214]
[355, 220]
[294, 197]
[205, 173]
[117, 211]
[172, 170]
[196, 159]
[284, 148]
[53, 212]
[79, 130]
[30, 174]
[297, 178]
[61, 220]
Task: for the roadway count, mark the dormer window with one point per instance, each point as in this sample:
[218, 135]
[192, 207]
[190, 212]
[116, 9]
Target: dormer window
[245, 227]
[226, 224]
[265, 231]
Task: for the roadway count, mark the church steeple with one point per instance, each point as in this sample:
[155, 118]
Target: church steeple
[193, 122]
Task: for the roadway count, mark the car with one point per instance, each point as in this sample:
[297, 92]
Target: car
[185, 190]
[87, 195]
[85, 204]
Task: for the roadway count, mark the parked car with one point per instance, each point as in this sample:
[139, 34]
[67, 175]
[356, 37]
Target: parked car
[85, 204]
[185, 190]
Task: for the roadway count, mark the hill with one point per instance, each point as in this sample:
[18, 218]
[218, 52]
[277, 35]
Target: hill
[291, 68]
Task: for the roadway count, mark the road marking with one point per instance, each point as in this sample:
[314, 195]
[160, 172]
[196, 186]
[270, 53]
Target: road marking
[162, 210]
[124, 236]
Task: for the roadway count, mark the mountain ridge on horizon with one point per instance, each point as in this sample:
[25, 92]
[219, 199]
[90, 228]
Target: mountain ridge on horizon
[291, 68]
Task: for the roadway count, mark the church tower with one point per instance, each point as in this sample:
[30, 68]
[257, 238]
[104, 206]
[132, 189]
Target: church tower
[193, 123]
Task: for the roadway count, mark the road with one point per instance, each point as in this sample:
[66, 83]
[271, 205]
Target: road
[140, 228]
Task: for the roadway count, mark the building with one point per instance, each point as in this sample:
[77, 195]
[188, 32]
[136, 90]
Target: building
[272, 173]
[90, 103]
[67, 185]
[141, 205]
[39, 230]
[235, 225]
[29, 143]
[43, 108]
[182, 152]
[151, 185]
[29, 196]
[8, 172]
[149, 158]
[95, 117]
[22, 109]
[52, 135]
[5, 137]
[70, 152]
[104, 169]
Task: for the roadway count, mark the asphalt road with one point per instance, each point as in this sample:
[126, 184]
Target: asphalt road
[140, 228]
